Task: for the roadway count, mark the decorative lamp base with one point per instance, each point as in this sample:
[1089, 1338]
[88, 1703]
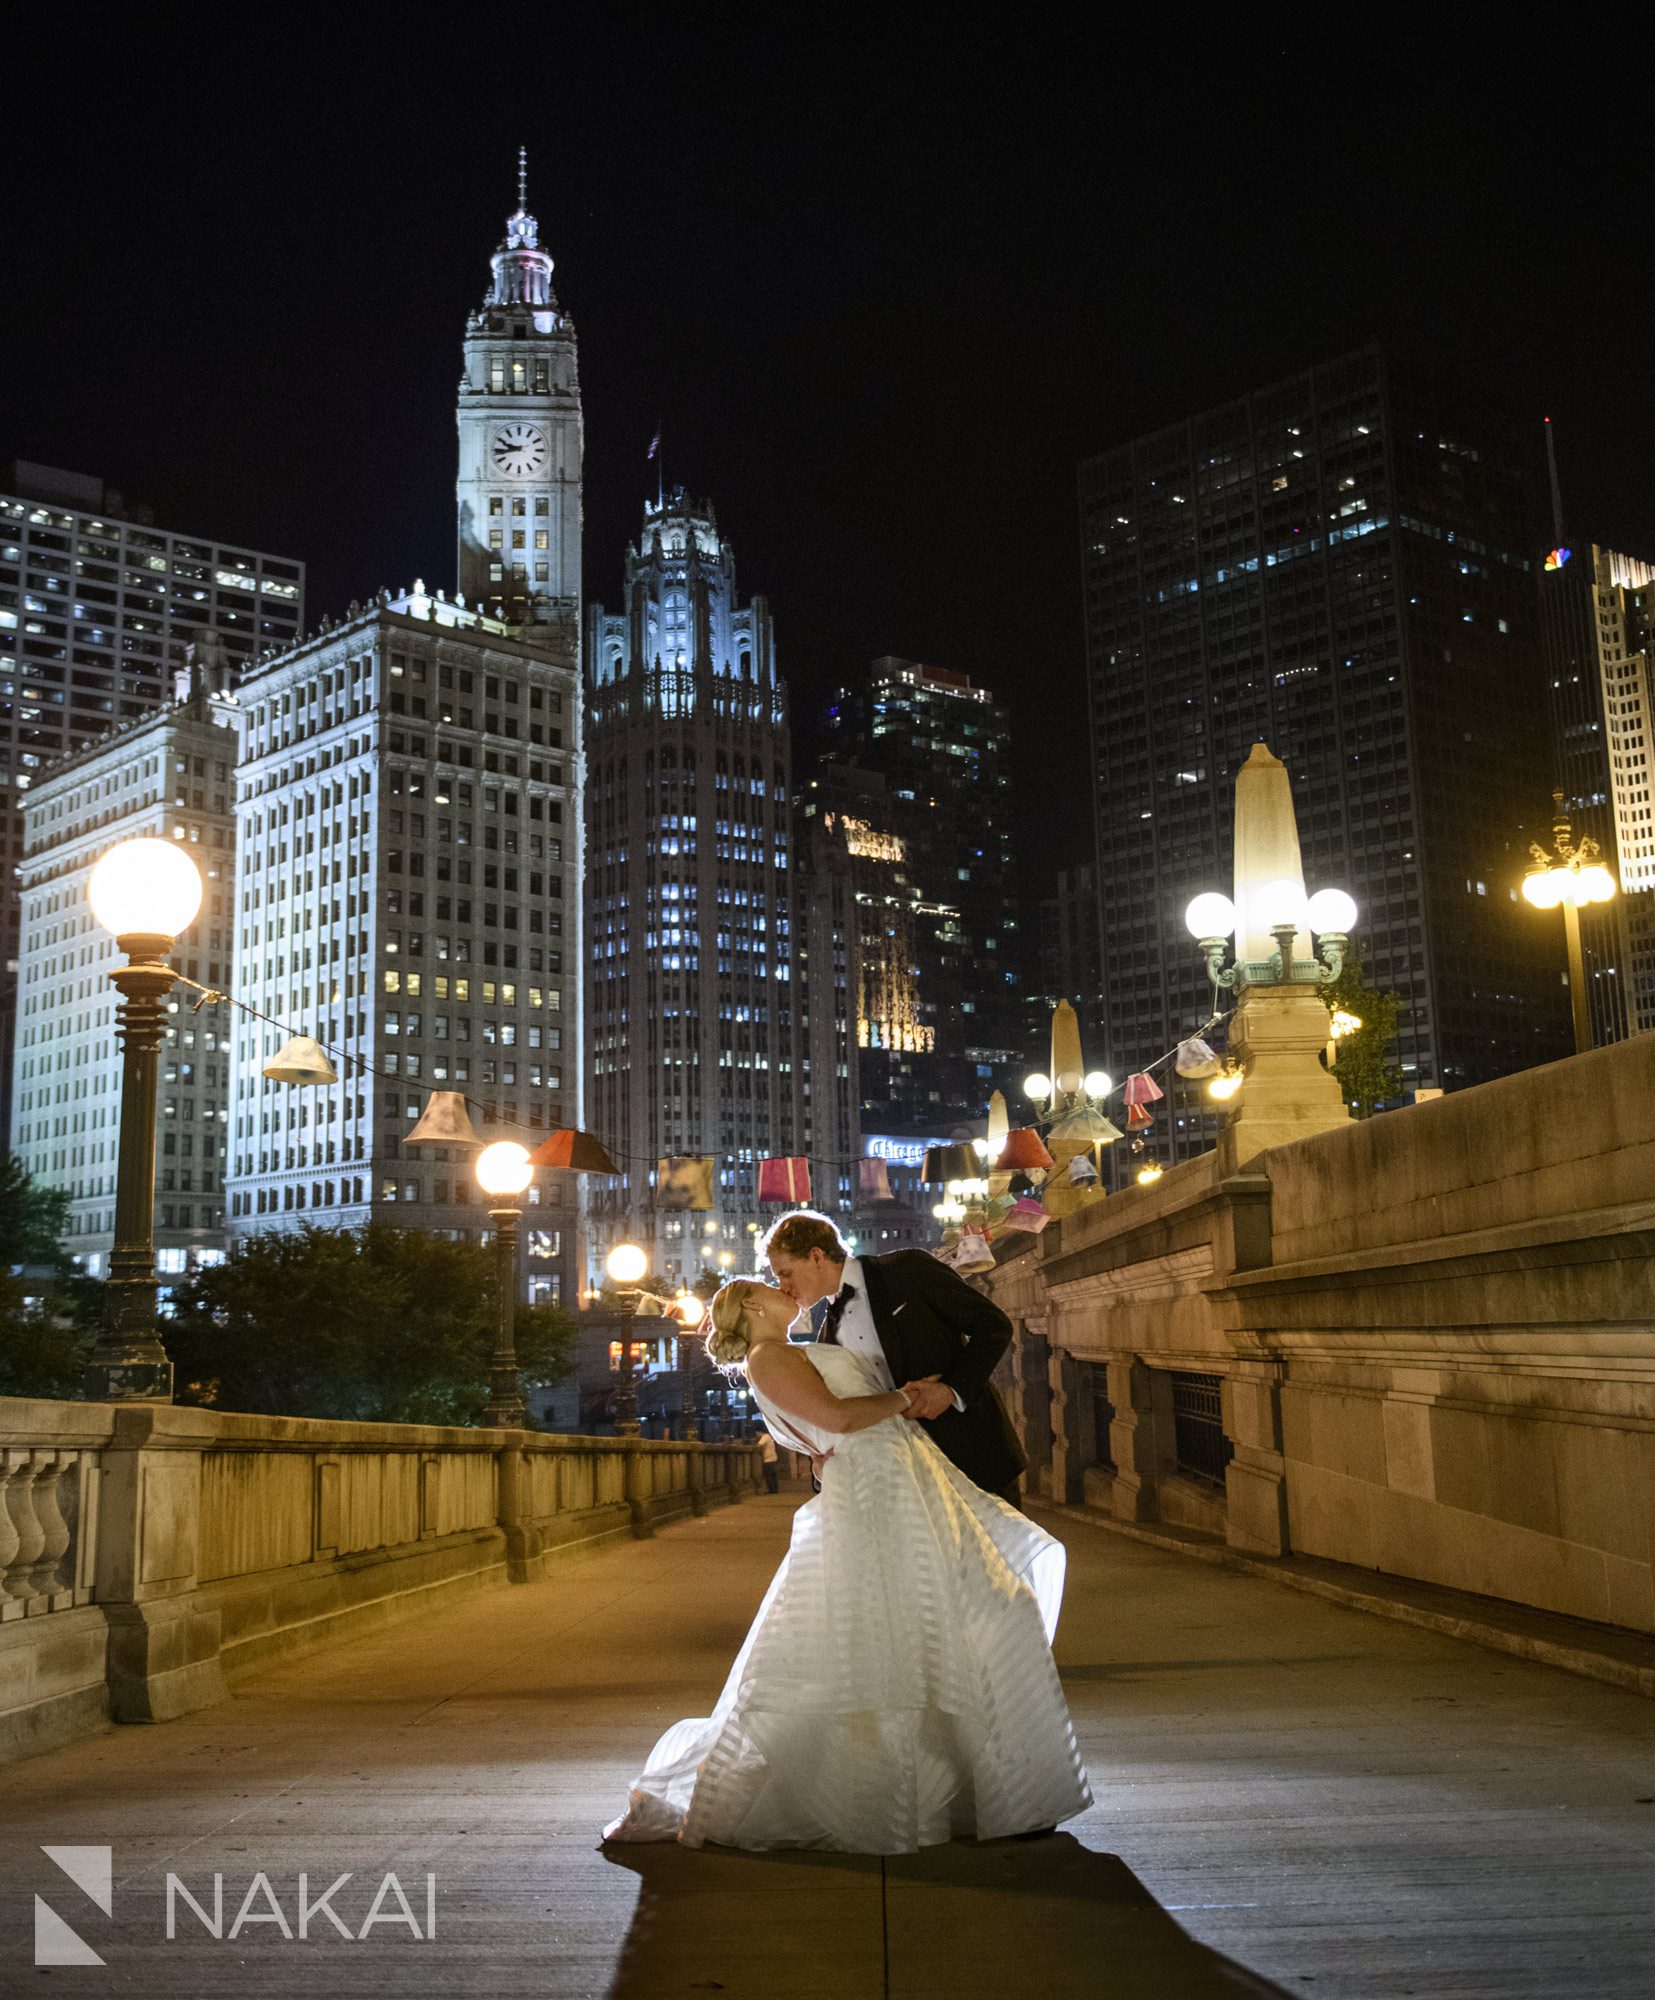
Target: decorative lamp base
[129, 1379]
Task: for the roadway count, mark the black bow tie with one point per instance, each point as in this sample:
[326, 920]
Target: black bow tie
[836, 1312]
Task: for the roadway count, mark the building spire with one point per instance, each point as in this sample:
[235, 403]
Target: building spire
[1557, 491]
[522, 180]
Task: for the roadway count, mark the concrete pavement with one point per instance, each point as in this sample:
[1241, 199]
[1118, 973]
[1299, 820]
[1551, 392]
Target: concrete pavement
[1291, 1797]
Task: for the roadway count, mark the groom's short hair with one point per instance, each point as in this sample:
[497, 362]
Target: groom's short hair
[801, 1231]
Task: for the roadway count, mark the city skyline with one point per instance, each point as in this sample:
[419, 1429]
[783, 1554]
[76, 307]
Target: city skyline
[888, 365]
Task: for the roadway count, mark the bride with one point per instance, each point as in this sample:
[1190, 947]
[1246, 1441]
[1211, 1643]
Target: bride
[897, 1687]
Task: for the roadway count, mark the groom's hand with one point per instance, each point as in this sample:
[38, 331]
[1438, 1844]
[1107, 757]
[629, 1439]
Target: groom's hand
[931, 1396]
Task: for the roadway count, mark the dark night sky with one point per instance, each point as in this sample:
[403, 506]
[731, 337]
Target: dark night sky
[882, 292]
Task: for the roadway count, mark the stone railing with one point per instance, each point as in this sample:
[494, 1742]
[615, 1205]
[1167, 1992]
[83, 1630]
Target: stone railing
[1423, 1344]
[147, 1552]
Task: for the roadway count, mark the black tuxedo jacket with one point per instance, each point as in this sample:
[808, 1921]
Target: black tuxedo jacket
[931, 1322]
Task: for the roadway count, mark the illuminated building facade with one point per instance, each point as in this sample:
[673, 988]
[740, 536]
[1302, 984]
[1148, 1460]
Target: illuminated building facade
[696, 1035]
[97, 608]
[168, 776]
[915, 765]
[409, 835]
[1335, 566]
[1598, 618]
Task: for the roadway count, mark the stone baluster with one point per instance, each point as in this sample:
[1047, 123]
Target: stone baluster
[10, 1540]
[21, 1469]
[52, 1574]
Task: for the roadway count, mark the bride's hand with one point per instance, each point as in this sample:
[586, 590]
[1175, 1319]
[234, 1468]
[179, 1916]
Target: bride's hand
[930, 1396]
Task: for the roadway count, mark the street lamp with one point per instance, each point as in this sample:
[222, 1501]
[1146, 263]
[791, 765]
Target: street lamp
[690, 1312]
[1575, 878]
[626, 1265]
[1282, 908]
[503, 1169]
[146, 893]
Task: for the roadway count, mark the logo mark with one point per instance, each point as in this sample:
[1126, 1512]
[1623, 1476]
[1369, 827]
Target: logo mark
[92, 1870]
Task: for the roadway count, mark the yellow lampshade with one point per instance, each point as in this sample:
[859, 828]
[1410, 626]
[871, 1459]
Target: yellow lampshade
[301, 1059]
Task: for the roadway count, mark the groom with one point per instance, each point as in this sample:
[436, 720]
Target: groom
[922, 1327]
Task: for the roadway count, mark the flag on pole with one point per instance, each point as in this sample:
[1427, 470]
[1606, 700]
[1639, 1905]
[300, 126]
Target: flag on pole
[655, 443]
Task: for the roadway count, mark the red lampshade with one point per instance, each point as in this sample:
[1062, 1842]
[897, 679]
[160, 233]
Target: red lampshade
[578, 1151]
[1023, 1151]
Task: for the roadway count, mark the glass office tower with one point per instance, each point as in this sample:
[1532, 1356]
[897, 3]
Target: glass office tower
[1336, 566]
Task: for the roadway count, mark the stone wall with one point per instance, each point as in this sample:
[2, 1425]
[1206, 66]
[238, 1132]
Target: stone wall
[147, 1553]
[1433, 1334]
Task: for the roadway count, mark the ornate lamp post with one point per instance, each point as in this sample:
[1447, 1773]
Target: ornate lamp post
[1284, 911]
[690, 1313]
[145, 893]
[503, 1169]
[1576, 877]
[626, 1265]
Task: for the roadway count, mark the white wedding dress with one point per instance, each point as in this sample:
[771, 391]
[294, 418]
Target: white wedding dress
[897, 1687]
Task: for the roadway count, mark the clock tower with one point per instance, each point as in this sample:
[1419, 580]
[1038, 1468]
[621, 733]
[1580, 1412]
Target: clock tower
[520, 442]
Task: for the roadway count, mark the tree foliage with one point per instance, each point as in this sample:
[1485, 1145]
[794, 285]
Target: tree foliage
[48, 1317]
[380, 1324]
[1361, 1066]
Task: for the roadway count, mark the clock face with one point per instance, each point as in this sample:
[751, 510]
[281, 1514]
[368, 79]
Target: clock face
[519, 450]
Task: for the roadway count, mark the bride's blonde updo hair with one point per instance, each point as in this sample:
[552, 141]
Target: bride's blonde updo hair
[731, 1321]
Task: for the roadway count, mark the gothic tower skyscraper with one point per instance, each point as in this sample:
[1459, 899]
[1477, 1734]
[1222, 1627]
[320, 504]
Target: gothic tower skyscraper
[520, 442]
[697, 1025]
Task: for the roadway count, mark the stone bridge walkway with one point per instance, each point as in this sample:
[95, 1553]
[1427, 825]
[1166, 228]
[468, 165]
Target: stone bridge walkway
[1292, 1798]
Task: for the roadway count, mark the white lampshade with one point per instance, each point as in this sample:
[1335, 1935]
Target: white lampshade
[1543, 888]
[145, 888]
[503, 1168]
[1099, 1083]
[1038, 1085]
[626, 1263]
[1211, 916]
[1597, 885]
[1331, 910]
[1278, 904]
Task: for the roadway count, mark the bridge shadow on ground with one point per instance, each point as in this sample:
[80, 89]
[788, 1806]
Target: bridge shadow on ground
[1002, 1918]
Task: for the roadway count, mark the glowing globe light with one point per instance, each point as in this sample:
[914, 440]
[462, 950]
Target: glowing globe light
[1543, 888]
[1099, 1083]
[1210, 916]
[145, 888]
[1148, 1175]
[1037, 1086]
[1596, 883]
[1331, 910]
[503, 1168]
[1343, 1023]
[1279, 905]
[689, 1308]
[626, 1263]
[1223, 1088]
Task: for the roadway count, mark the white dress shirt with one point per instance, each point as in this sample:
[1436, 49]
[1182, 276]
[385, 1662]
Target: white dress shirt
[856, 1328]
[858, 1332]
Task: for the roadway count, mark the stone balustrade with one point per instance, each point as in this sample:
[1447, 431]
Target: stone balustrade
[1423, 1343]
[149, 1553]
